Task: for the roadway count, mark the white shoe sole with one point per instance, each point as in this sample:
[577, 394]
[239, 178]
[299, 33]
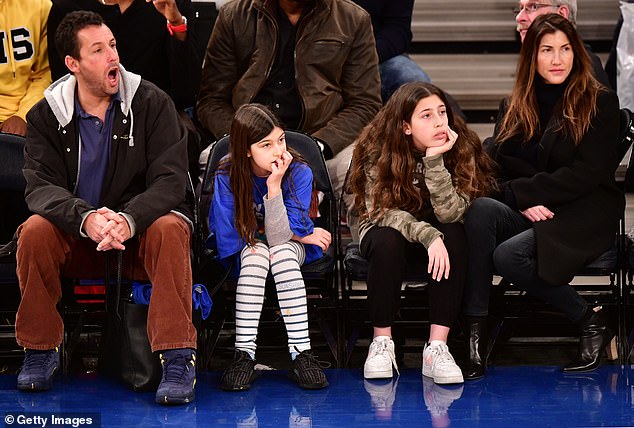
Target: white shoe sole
[448, 380]
[444, 380]
[376, 374]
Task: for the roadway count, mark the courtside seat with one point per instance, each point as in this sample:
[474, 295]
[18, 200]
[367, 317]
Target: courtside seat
[321, 277]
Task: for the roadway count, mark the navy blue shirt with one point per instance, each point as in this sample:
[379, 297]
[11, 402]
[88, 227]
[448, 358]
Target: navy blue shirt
[96, 140]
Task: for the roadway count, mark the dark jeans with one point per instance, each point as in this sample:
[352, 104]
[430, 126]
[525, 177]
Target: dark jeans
[391, 257]
[501, 240]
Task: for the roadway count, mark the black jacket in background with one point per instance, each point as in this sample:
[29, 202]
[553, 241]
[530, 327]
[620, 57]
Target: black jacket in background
[392, 24]
[597, 67]
[144, 44]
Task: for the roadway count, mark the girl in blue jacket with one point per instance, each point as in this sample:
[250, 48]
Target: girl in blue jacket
[260, 215]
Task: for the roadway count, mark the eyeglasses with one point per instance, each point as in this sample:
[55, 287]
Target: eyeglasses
[531, 8]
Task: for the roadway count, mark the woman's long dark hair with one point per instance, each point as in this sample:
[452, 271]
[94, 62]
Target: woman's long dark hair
[579, 101]
[251, 124]
[383, 142]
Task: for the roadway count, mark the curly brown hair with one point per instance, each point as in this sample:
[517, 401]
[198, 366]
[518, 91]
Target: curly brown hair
[384, 144]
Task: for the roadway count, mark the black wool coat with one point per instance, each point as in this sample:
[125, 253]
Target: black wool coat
[577, 183]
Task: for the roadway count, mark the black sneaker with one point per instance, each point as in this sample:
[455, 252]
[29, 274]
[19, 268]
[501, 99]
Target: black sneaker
[307, 372]
[239, 375]
[38, 370]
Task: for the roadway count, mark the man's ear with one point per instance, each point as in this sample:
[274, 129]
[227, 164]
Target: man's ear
[564, 11]
[71, 63]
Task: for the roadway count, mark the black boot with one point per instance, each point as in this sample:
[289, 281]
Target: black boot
[477, 330]
[595, 336]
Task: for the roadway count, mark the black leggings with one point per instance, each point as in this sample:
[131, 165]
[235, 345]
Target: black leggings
[391, 257]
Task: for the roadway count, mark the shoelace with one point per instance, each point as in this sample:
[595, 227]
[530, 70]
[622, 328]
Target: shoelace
[242, 363]
[381, 349]
[176, 368]
[36, 360]
[442, 356]
[310, 360]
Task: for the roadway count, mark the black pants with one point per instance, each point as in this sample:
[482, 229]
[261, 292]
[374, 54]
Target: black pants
[391, 257]
[502, 240]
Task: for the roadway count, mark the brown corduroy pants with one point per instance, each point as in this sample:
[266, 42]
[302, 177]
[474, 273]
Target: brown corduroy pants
[160, 254]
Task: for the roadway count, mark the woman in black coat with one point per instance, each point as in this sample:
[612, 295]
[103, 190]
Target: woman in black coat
[558, 203]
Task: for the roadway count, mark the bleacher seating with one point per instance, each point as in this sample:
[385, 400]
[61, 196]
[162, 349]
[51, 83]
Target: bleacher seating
[493, 20]
[470, 48]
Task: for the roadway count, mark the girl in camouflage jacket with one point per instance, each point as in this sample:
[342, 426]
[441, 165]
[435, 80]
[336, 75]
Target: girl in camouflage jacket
[415, 169]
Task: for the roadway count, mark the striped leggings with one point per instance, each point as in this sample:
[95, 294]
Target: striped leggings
[284, 261]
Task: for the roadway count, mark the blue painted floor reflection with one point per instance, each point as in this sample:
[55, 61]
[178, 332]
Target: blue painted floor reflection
[521, 396]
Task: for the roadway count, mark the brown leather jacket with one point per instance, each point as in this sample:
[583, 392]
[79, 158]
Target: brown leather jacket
[336, 64]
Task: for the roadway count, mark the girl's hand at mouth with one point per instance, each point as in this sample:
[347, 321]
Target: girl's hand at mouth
[278, 169]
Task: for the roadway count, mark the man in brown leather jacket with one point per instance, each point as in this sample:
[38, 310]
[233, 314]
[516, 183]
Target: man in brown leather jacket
[313, 61]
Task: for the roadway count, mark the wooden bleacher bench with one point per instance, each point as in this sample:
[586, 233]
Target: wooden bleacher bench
[476, 81]
[479, 79]
[492, 20]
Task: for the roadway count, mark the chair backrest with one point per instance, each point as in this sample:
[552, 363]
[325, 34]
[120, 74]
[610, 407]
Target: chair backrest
[219, 149]
[302, 143]
[13, 209]
[626, 138]
[626, 133]
[12, 155]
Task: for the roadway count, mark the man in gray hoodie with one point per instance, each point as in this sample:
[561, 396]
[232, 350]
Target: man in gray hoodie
[105, 161]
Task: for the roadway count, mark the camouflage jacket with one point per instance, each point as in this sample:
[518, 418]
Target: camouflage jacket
[448, 205]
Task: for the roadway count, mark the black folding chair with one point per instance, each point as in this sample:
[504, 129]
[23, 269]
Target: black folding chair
[13, 212]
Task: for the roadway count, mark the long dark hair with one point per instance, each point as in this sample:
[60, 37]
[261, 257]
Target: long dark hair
[383, 142]
[579, 101]
[251, 123]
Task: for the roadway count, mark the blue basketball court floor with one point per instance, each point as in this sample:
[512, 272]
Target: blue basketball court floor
[521, 396]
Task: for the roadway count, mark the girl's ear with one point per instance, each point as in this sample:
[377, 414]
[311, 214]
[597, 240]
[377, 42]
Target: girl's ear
[407, 130]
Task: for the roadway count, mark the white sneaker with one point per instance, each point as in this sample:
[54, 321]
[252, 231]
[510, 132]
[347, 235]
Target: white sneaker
[295, 420]
[439, 365]
[439, 398]
[381, 359]
[382, 394]
[250, 421]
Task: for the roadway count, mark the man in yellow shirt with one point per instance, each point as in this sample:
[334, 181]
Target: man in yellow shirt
[24, 69]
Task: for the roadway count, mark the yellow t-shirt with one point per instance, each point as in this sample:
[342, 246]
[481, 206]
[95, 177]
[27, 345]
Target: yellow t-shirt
[24, 69]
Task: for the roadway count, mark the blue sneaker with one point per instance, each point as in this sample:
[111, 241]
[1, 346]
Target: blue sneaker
[38, 370]
[179, 377]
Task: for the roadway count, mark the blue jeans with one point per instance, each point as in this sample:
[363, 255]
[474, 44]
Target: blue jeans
[397, 71]
[501, 240]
